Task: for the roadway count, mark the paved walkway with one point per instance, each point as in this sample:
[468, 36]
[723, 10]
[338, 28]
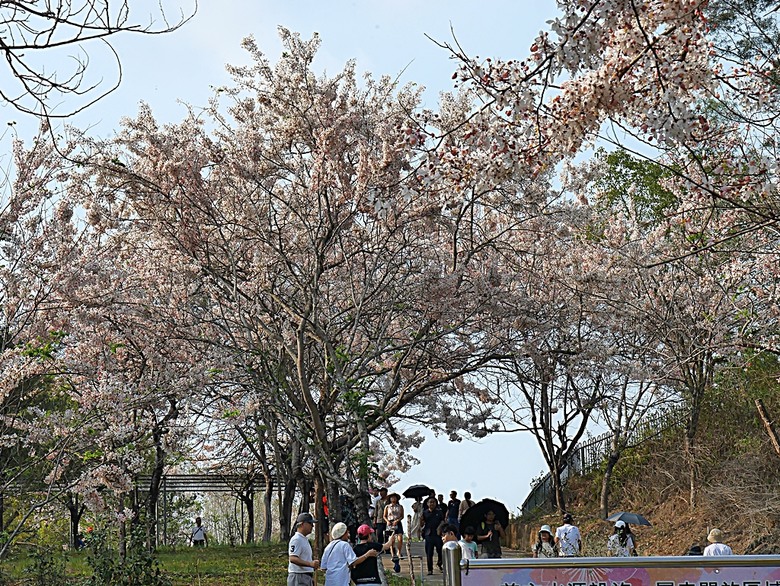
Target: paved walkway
[421, 566]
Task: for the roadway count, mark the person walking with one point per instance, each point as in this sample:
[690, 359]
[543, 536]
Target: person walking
[373, 495]
[568, 538]
[621, 543]
[442, 505]
[468, 546]
[716, 546]
[544, 546]
[417, 509]
[339, 558]
[465, 505]
[489, 536]
[432, 519]
[198, 537]
[453, 507]
[301, 566]
[379, 515]
[393, 517]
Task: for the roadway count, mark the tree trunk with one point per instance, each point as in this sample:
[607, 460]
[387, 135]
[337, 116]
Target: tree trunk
[76, 510]
[690, 448]
[248, 498]
[769, 425]
[560, 499]
[319, 507]
[153, 496]
[690, 442]
[286, 510]
[268, 518]
[614, 456]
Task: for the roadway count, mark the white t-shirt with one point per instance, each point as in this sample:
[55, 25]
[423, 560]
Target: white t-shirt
[198, 533]
[300, 546]
[335, 561]
[617, 550]
[372, 507]
[568, 540]
[718, 549]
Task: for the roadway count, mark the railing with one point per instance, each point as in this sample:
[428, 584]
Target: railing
[738, 570]
[590, 455]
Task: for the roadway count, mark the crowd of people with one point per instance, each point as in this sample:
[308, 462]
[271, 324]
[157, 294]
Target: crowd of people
[567, 542]
[435, 523]
[351, 545]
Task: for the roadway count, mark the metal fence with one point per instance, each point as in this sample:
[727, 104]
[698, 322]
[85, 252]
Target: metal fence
[590, 455]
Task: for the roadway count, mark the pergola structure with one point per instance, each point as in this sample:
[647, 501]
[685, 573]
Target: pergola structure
[243, 486]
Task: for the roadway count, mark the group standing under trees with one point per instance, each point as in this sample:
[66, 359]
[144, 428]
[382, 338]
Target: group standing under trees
[313, 262]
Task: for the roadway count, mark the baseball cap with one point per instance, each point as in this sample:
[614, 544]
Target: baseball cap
[364, 530]
[305, 518]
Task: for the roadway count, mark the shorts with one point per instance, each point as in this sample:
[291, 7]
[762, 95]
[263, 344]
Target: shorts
[199, 543]
[300, 579]
[399, 529]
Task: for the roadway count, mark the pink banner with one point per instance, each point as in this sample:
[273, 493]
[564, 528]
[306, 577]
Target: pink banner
[686, 574]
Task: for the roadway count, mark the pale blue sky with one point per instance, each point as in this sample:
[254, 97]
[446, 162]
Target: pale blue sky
[385, 37]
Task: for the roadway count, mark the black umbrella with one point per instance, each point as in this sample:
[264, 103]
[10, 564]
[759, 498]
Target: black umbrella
[476, 514]
[417, 490]
[630, 518]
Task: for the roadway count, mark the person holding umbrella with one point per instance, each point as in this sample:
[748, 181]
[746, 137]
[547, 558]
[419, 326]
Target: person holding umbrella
[489, 536]
[621, 542]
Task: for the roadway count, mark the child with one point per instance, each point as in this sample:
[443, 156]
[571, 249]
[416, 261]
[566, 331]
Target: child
[467, 545]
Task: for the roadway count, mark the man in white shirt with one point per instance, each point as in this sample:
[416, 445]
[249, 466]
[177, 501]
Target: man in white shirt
[374, 499]
[716, 547]
[339, 557]
[568, 538]
[198, 537]
[301, 566]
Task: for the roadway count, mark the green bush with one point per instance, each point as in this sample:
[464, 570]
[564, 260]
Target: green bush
[46, 569]
[139, 567]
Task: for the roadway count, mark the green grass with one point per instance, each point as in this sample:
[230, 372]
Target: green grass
[250, 565]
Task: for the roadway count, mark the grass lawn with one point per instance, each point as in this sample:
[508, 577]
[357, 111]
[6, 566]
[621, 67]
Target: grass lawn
[256, 565]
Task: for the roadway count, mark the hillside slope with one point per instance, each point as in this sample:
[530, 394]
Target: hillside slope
[738, 487]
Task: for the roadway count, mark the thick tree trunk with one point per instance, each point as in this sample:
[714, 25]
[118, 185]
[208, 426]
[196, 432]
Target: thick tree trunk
[614, 456]
[153, 496]
[560, 498]
[248, 498]
[363, 499]
[286, 511]
[319, 507]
